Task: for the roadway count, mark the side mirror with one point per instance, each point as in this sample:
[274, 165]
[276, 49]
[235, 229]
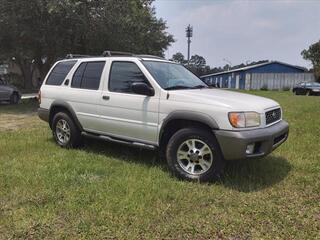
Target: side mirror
[142, 89]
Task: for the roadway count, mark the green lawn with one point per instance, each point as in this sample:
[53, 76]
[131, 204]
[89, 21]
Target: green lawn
[109, 191]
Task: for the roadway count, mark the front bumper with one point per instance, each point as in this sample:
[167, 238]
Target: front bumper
[234, 143]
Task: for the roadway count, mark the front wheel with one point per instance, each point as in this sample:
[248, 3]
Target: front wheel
[194, 154]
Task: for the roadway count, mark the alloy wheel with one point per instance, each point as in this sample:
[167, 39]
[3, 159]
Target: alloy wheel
[195, 156]
[63, 131]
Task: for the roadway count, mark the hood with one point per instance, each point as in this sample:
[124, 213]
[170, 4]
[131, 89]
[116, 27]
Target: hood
[232, 100]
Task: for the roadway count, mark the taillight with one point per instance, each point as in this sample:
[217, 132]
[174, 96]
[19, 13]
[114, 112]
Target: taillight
[39, 97]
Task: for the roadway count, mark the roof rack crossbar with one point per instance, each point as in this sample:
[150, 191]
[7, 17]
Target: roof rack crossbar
[149, 56]
[115, 53]
[71, 55]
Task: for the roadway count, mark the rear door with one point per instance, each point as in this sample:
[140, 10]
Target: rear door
[123, 113]
[84, 93]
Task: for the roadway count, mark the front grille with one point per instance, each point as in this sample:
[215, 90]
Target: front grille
[273, 116]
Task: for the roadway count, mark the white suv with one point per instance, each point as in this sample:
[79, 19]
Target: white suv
[150, 102]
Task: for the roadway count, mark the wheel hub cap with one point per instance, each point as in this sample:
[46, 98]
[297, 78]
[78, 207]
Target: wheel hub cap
[194, 156]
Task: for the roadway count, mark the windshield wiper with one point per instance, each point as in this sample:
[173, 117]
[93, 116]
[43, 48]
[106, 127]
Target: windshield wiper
[185, 87]
[199, 86]
[178, 87]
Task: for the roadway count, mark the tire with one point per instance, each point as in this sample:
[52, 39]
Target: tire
[195, 166]
[14, 98]
[65, 132]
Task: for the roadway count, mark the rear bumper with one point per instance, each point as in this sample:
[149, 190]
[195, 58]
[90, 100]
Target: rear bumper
[234, 143]
[43, 114]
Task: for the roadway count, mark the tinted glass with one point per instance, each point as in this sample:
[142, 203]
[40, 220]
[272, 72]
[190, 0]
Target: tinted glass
[92, 75]
[59, 73]
[77, 77]
[123, 74]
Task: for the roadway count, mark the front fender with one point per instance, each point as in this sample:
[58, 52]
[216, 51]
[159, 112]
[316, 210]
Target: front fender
[191, 116]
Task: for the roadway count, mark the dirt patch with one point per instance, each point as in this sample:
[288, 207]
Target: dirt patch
[12, 122]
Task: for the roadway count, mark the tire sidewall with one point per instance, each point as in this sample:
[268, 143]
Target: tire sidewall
[14, 98]
[216, 169]
[73, 130]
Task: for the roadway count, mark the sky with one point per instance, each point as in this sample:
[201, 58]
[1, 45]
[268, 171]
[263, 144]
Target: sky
[241, 30]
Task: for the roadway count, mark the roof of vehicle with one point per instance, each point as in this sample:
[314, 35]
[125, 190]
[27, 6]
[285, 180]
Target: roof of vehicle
[308, 82]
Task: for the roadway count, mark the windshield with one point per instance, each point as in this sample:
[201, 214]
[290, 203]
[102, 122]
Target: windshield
[172, 76]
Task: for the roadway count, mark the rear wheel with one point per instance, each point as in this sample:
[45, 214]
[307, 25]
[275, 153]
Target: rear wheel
[14, 99]
[65, 131]
[194, 154]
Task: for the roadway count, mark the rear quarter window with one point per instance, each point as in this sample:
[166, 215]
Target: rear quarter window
[59, 73]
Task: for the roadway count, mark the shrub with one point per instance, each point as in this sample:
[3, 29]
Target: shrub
[286, 88]
[264, 88]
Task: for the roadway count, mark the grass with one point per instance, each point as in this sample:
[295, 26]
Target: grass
[108, 191]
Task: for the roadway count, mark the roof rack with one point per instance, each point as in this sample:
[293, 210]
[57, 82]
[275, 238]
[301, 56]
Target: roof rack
[149, 56]
[112, 53]
[70, 56]
[116, 53]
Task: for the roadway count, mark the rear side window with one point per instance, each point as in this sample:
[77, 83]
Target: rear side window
[77, 76]
[59, 73]
[123, 74]
[88, 75]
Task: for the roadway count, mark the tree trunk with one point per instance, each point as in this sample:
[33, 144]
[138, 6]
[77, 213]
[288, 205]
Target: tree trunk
[27, 73]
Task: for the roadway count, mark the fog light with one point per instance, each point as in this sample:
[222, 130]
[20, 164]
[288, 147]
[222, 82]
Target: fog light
[250, 148]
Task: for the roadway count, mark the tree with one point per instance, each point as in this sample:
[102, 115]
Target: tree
[179, 58]
[197, 65]
[313, 54]
[38, 32]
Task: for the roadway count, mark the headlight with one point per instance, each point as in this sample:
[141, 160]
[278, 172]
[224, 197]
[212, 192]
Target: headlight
[244, 119]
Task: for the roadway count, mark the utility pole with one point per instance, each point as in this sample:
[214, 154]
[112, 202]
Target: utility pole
[189, 34]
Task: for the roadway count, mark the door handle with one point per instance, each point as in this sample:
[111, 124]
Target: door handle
[104, 97]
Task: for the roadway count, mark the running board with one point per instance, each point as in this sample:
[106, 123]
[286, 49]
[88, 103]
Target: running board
[111, 139]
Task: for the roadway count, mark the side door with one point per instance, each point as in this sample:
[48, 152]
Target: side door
[5, 90]
[84, 93]
[125, 114]
[2, 90]
[302, 89]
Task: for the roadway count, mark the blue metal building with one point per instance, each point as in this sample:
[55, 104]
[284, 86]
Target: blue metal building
[236, 78]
